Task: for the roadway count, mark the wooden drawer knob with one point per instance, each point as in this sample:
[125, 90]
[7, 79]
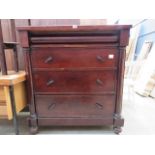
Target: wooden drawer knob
[99, 106]
[48, 60]
[50, 82]
[51, 106]
[100, 58]
[100, 82]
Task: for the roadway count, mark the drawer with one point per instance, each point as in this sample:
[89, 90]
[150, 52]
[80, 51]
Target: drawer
[74, 105]
[74, 81]
[74, 39]
[73, 57]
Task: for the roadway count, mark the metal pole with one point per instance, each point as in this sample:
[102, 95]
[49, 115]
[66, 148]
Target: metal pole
[13, 105]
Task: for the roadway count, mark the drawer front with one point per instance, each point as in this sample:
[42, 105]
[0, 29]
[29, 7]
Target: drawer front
[74, 81]
[74, 105]
[73, 57]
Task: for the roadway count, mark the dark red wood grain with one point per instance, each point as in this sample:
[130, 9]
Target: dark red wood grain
[74, 81]
[73, 57]
[74, 39]
[72, 121]
[94, 28]
[75, 105]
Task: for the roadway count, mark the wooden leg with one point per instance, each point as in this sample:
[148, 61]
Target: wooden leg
[33, 127]
[33, 130]
[118, 123]
[117, 130]
[13, 106]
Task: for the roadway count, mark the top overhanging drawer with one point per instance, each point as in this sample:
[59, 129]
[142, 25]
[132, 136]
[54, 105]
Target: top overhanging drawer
[73, 39]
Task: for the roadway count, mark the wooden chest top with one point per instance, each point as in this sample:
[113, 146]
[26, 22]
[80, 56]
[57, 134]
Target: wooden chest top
[74, 34]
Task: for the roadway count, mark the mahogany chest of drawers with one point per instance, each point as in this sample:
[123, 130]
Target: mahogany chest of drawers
[75, 74]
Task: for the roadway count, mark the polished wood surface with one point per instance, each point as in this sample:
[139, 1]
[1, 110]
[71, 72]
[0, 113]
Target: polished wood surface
[110, 30]
[75, 74]
[75, 105]
[74, 81]
[69, 121]
[74, 39]
[74, 57]
[73, 28]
